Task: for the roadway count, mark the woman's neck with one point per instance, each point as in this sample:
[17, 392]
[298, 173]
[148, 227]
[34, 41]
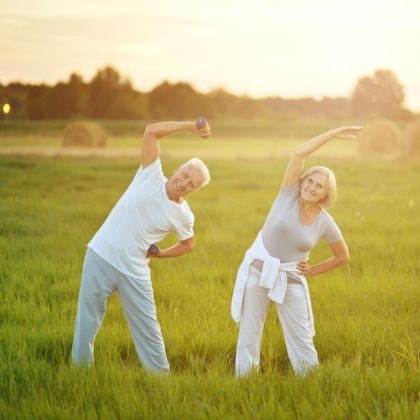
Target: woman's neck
[309, 206]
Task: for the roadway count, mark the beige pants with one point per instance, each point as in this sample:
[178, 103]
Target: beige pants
[293, 316]
[99, 280]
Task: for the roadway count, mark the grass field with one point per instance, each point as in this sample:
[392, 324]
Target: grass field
[366, 314]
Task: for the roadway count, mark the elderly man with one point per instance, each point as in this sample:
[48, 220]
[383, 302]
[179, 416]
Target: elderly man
[117, 257]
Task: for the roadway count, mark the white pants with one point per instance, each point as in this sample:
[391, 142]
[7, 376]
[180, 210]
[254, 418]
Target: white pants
[293, 316]
[99, 280]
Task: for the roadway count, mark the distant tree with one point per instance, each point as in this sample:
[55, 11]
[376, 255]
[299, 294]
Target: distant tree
[107, 95]
[280, 107]
[129, 103]
[35, 102]
[112, 97]
[78, 93]
[224, 102]
[103, 89]
[179, 100]
[15, 94]
[334, 108]
[67, 100]
[247, 108]
[7, 97]
[307, 107]
[379, 96]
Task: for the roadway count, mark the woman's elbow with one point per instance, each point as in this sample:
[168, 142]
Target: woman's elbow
[298, 154]
[343, 253]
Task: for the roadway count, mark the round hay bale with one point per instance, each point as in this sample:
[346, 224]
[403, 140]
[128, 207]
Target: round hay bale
[412, 140]
[380, 136]
[84, 134]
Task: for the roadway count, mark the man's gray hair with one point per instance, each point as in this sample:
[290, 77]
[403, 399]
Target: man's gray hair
[202, 169]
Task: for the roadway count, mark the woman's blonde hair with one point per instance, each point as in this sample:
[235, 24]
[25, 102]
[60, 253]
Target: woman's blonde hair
[331, 193]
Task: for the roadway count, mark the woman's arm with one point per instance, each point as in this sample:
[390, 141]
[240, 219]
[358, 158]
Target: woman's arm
[153, 132]
[340, 256]
[297, 162]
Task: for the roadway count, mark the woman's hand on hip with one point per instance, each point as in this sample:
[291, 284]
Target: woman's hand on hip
[303, 267]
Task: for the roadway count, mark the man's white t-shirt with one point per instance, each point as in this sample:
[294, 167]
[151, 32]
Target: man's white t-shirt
[143, 215]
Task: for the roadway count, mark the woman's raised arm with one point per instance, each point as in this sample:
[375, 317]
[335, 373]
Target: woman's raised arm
[296, 164]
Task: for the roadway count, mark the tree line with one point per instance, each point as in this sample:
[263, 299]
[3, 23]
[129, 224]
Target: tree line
[109, 96]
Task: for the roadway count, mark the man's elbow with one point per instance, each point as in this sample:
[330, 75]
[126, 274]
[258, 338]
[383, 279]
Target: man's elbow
[188, 248]
[188, 245]
[344, 259]
[150, 131]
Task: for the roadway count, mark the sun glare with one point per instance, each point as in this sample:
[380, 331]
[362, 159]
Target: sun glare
[6, 108]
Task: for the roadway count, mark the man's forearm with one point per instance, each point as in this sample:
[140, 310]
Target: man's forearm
[161, 129]
[174, 251]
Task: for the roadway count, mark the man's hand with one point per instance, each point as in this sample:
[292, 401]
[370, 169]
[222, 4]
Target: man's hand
[153, 251]
[154, 132]
[202, 127]
[182, 247]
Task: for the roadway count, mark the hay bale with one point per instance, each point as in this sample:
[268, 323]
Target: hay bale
[412, 140]
[84, 134]
[380, 136]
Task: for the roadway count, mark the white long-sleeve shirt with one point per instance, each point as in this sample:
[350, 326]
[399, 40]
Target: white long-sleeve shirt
[273, 277]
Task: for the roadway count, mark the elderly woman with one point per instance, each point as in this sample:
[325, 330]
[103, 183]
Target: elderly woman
[275, 267]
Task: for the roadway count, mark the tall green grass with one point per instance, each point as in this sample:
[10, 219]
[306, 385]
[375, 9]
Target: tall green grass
[366, 314]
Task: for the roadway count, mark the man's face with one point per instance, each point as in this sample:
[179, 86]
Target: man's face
[186, 180]
[314, 187]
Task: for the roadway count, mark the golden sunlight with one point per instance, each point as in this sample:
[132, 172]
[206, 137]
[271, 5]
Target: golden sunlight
[6, 108]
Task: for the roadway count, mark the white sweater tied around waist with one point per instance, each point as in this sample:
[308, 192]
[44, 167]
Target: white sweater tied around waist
[273, 277]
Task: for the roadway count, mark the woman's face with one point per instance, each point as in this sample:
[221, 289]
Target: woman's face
[314, 188]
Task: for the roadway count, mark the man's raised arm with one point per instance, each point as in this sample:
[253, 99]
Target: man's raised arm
[153, 132]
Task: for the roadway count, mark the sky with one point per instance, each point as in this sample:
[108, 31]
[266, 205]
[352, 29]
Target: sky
[287, 48]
